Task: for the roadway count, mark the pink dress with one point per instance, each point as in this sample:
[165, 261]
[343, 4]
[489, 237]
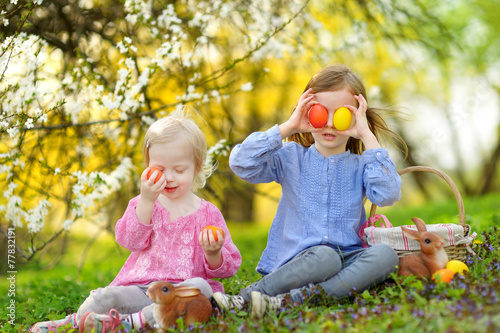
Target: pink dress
[170, 250]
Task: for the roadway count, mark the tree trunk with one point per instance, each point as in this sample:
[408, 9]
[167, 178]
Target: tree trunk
[238, 202]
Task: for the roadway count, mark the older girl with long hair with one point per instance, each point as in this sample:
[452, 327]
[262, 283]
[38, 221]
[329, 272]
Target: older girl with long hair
[325, 175]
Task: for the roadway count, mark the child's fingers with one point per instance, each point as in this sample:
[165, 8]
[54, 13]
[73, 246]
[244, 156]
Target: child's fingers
[305, 98]
[220, 237]
[363, 105]
[151, 179]
[306, 94]
[203, 238]
[160, 184]
[361, 109]
[355, 112]
[207, 240]
[305, 104]
[144, 175]
[207, 236]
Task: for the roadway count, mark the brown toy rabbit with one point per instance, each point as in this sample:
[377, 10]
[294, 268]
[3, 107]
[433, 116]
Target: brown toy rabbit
[181, 301]
[432, 257]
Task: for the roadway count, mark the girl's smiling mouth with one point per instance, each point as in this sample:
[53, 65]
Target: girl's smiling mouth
[171, 189]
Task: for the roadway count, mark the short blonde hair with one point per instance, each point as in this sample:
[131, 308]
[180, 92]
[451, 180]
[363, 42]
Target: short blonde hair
[178, 125]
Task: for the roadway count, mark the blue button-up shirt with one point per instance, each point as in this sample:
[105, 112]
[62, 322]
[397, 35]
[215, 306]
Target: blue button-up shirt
[322, 198]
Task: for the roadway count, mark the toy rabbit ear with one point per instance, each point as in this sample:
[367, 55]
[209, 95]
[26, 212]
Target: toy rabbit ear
[183, 291]
[419, 223]
[411, 234]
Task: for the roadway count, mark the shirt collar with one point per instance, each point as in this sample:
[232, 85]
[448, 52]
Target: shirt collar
[331, 157]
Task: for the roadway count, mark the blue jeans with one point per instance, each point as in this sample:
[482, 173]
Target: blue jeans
[337, 273]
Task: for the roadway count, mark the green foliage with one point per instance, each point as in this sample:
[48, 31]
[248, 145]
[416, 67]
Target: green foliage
[468, 304]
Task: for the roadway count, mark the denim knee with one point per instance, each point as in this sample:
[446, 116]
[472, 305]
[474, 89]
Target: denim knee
[386, 257]
[324, 260]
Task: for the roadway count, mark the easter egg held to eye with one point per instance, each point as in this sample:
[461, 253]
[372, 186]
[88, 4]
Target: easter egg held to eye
[318, 116]
[152, 170]
[342, 119]
[214, 231]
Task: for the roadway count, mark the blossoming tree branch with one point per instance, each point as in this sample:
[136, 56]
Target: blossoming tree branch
[81, 81]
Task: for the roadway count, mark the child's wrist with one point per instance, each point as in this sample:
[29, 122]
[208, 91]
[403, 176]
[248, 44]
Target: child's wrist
[214, 260]
[370, 141]
[144, 210]
[213, 254]
[146, 201]
[285, 130]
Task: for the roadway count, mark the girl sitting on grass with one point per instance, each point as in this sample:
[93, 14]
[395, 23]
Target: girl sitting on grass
[325, 174]
[162, 227]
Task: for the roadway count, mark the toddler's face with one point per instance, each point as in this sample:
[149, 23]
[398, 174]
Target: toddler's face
[327, 142]
[175, 160]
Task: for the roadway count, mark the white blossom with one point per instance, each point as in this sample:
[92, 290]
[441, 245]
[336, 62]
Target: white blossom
[247, 86]
[35, 217]
[102, 186]
[129, 62]
[5, 168]
[221, 148]
[67, 224]
[122, 47]
[11, 187]
[29, 123]
[14, 213]
[13, 131]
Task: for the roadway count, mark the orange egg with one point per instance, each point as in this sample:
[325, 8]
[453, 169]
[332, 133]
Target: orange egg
[152, 170]
[214, 231]
[445, 275]
[318, 116]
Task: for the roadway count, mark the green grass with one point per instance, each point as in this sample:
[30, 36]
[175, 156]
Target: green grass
[469, 303]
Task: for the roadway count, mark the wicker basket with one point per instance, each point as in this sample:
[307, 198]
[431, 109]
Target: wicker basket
[459, 238]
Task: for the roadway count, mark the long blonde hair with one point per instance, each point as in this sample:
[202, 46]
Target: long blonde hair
[337, 77]
[172, 127]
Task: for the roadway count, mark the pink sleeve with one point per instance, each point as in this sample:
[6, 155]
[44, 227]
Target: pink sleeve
[130, 232]
[230, 254]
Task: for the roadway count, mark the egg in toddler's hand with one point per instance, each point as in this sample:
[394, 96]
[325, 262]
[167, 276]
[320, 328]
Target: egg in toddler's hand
[214, 231]
[342, 119]
[318, 116]
[152, 170]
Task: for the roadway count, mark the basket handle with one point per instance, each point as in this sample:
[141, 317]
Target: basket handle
[458, 197]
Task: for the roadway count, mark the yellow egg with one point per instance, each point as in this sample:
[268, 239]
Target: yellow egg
[457, 266]
[342, 119]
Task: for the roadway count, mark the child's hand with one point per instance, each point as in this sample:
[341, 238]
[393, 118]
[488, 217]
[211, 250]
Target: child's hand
[298, 122]
[149, 189]
[212, 248]
[360, 130]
